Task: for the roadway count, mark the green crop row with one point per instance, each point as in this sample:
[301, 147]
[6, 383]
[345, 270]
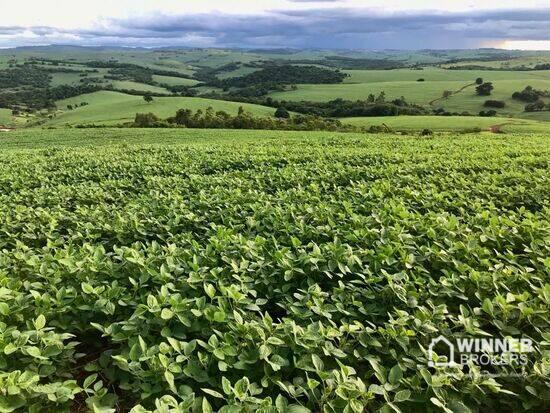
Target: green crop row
[269, 272]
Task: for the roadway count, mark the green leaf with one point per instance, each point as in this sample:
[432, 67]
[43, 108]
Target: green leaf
[152, 302]
[457, 406]
[396, 374]
[169, 377]
[10, 404]
[87, 288]
[241, 388]
[10, 348]
[102, 409]
[213, 393]
[89, 381]
[166, 314]
[206, 407]
[4, 309]
[210, 290]
[40, 322]
[226, 386]
[295, 408]
[317, 362]
[219, 316]
[33, 351]
[402, 396]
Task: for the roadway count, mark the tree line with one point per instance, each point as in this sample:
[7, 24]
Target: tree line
[282, 75]
[533, 98]
[210, 119]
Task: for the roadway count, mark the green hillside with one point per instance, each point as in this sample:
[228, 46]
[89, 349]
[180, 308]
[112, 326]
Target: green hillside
[433, 74]
[449, 123]
[109, 108]
[503, 90]
[5, 117]
[129, 85]
[397, 83]
[174, 81]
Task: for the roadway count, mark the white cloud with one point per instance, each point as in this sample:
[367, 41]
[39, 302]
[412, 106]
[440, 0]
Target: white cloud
[297, 23]
[85, 13]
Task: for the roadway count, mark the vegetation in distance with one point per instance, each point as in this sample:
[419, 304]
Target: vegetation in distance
[35, 82]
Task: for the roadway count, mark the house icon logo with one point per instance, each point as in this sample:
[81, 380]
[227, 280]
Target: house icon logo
[450, 355]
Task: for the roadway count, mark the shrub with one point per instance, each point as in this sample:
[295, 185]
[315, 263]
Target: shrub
[528, 94]
[146, 120]
[494, 104]
[484, 89]
[488, 113]
[537, 106]
[282, 113]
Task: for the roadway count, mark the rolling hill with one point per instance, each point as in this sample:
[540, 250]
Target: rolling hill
[449, 123]
[110, 108]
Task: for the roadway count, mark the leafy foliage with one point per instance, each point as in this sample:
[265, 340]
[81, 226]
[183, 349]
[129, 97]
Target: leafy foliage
[529, 94]
[484, 89]
[24, 75]
[285, 74]
[175, 271]
[243, 120]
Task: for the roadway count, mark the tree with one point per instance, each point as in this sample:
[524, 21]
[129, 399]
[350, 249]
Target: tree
[479, 81]
[528, 94]
[535, 106]
[381, 98]
[145, 120]
[484, 89]
[148, 98]
[494, 104]
[183, 117]
[447, 93]
[282, 113]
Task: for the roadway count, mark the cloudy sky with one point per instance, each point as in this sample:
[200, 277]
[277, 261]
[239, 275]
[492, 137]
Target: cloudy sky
[360, 24]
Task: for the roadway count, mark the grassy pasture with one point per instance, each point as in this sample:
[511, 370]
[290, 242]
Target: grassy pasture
[174, 81]
[65, 79]
[109, 108]
[449, 123]
[403, 82]
[129, 85]
[468, 100]
[529, 61]
[417, 92]
[5, 117]
[432, 74]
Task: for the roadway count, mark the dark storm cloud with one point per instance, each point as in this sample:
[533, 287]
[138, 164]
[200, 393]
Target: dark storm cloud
[332, 27]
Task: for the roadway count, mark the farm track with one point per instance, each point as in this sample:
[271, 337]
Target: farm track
[498, 127]
[456, 92]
